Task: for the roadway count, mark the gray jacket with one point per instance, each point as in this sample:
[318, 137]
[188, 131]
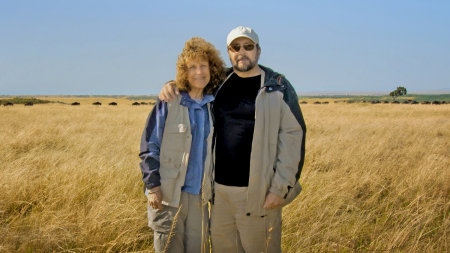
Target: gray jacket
[278, 147]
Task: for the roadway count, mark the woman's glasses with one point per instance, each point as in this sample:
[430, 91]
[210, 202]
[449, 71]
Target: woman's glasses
[237, 47]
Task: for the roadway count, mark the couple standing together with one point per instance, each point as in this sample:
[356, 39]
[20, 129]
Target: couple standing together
[233, 139]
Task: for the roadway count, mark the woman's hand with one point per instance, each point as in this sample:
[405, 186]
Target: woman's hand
[155, 198]
[168, 92]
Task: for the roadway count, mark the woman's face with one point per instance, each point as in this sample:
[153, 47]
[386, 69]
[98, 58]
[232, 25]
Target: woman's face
[198, 73]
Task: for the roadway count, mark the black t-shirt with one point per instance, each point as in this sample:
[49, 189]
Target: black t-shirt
[234, 111]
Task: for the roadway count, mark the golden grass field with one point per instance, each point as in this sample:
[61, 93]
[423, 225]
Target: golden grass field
[376, 179]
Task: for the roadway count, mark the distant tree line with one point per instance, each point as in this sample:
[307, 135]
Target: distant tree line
[418, 98]
[328, 96]
[100, 96]
[24, 100]
[142, 97]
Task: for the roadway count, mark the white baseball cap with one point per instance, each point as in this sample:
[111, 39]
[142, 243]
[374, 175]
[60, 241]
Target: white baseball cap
[241, 31]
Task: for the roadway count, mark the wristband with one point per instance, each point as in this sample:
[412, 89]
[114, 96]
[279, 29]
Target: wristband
[155, 191]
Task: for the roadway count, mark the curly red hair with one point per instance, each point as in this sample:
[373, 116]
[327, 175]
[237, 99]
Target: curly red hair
[199, 49]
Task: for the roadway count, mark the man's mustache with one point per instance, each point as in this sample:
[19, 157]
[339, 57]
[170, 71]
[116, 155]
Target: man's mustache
[243, 57]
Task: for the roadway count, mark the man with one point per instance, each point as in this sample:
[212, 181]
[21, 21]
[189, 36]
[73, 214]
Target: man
[259, 150]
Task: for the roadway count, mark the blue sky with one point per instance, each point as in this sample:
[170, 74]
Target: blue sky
[130, 47]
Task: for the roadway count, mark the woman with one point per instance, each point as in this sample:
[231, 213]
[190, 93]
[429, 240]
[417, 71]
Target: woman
[176, 153]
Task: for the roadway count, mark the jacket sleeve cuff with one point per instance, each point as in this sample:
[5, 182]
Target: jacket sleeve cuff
[152, 185]
[277, 192]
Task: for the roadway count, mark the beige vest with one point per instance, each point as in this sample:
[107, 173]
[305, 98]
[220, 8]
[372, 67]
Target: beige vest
[174, 154]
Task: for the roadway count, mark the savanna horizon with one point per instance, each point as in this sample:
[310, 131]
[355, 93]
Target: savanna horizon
[376, 178]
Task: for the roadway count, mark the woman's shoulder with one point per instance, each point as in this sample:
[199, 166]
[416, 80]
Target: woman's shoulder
[162, 103]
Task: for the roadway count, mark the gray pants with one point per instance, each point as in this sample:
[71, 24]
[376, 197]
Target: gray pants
[182, 229]
[233, 231]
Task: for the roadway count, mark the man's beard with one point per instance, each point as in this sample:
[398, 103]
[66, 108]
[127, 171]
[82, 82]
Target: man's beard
[249, 67]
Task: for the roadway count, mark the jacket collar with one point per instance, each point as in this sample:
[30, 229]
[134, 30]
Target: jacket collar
[187, 101]
[275, 80]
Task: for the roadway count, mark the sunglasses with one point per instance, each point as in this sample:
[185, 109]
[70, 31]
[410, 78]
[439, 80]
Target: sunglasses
[237, 48]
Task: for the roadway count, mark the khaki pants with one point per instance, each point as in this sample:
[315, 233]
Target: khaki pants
[180, 229]
[233, 231]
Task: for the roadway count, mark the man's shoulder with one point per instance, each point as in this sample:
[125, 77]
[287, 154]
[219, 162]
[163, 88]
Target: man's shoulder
[161, 105]
[276, 79]
[272, 77]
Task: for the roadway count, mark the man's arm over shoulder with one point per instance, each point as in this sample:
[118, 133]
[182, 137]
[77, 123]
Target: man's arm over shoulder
[169, 91]
[151, 143]
[291, 144]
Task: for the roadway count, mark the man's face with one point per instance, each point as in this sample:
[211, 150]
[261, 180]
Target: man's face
[243, 60]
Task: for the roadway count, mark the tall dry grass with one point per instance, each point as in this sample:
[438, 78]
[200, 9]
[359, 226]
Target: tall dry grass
[376, 179]
[70, 179]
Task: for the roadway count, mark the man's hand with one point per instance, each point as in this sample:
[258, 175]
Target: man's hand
[168, 92]
[273, 201]
[155, 199]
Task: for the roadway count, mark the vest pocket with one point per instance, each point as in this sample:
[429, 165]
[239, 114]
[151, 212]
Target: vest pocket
[172, 159]
[174, 137]
[168, 183]
[173, 144]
